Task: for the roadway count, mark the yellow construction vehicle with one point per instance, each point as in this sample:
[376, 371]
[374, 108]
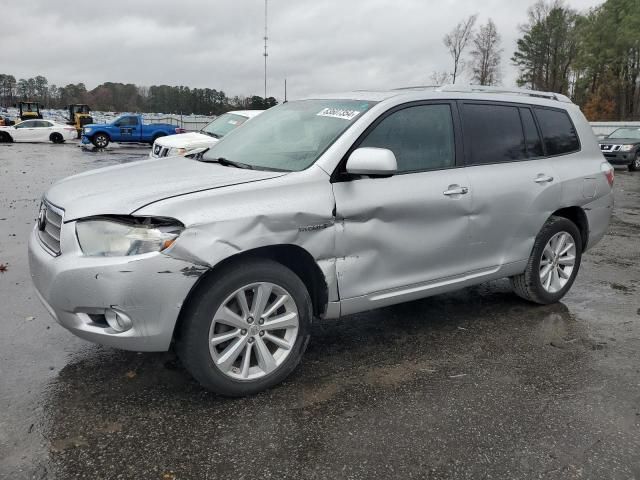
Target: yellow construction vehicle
[29, 110]
[79, 116]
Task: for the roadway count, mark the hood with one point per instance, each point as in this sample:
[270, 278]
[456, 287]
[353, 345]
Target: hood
[123, 189]
[187, 140]
[618, 141]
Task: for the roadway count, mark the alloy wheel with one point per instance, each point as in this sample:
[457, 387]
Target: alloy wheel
[557, 262]
[253, 331]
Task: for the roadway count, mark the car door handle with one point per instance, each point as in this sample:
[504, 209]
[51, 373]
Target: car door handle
[456, 191]
[542, 178]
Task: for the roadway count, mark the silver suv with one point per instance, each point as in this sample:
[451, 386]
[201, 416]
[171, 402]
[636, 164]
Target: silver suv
[321, 208]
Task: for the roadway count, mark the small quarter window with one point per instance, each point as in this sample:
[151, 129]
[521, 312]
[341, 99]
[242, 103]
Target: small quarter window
[559, 135]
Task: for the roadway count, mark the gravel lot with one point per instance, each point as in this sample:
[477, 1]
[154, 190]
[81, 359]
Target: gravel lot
[474, 384]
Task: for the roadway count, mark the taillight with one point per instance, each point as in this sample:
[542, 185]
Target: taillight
[608, 171]
[180, 130]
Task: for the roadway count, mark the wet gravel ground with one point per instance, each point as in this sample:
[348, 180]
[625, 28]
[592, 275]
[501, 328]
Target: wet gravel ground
[474, 384]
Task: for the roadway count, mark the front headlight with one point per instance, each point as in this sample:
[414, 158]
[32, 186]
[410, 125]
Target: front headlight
[626, 148]
[86, 130]
[117, 238]
[177, 151]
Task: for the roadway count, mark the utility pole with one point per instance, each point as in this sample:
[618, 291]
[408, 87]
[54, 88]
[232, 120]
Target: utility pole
[266, 37]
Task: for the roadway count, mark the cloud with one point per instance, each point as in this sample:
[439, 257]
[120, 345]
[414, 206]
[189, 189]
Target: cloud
[319, 46]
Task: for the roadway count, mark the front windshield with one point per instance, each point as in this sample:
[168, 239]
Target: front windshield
[626, 133]
[224, 124]
[291, 136]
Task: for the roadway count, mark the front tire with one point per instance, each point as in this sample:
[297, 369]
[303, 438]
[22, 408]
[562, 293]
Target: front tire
[246, 328]
[553, 264]
[5, 137]
[56, 138]
[100, 140]
[634, 166]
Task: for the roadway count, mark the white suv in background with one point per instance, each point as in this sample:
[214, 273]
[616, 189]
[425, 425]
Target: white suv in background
[173, 145]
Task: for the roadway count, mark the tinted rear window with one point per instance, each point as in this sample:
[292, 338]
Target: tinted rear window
[558, 133]
[494, 133]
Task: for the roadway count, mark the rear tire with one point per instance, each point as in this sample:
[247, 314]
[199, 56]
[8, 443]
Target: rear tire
[211, 362]
[100, 140]
[562, 267]
[634, 166]
[56, 137]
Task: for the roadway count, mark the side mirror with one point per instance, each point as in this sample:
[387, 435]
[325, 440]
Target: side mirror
[372, 161]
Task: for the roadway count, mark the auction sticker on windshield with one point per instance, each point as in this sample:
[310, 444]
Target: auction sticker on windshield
[339, 113]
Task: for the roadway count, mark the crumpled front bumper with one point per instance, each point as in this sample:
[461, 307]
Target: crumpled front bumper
[76, 290]
[85, 140]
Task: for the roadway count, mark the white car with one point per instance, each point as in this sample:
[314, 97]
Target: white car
[182, 143]
[38, 131]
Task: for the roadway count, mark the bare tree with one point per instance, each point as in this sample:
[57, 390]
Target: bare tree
[439, 78]
[485, 57]
[457, 40]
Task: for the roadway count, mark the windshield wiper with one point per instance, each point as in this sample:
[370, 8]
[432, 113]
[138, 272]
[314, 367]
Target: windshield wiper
[211, 134]
[228, 163]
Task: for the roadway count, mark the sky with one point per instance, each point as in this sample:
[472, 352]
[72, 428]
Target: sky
[319, 46]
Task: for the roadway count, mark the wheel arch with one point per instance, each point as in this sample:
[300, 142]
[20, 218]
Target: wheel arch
[93, 135]
[579, 218]
[294, 257]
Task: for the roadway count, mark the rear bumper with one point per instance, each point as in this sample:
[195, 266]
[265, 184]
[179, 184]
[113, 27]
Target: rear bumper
[78, 290]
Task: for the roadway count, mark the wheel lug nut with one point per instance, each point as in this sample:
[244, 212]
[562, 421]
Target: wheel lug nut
[262, 333]
[261, 321]
[251, 340]
[243, 331]
[250, 320]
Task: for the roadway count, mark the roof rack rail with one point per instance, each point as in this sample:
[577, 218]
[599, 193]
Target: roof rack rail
[418, 87]
[511, 91]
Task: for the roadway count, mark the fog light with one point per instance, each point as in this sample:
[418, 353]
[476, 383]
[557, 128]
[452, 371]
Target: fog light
[117, 320]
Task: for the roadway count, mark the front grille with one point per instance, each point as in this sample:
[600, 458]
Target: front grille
[156, 150]
[49, 224]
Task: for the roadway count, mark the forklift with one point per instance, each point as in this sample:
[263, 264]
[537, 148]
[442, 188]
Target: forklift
[79, 116]
[29, 111]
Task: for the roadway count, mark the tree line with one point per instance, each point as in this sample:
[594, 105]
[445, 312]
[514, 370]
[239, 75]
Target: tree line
[592, 57]
[120, 97]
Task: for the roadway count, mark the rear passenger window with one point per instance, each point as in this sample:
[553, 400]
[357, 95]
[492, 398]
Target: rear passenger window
[559, 135]
[493, 133]
[531, 135]
[420, 137]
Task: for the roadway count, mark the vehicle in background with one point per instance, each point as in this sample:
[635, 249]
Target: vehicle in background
[29, 111]
[79, 117]
[37, 131]
[127, 128]
[205, 138]
[322, 208]
[622, 147]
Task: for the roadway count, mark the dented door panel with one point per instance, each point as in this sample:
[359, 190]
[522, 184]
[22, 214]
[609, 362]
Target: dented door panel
[400, 231]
